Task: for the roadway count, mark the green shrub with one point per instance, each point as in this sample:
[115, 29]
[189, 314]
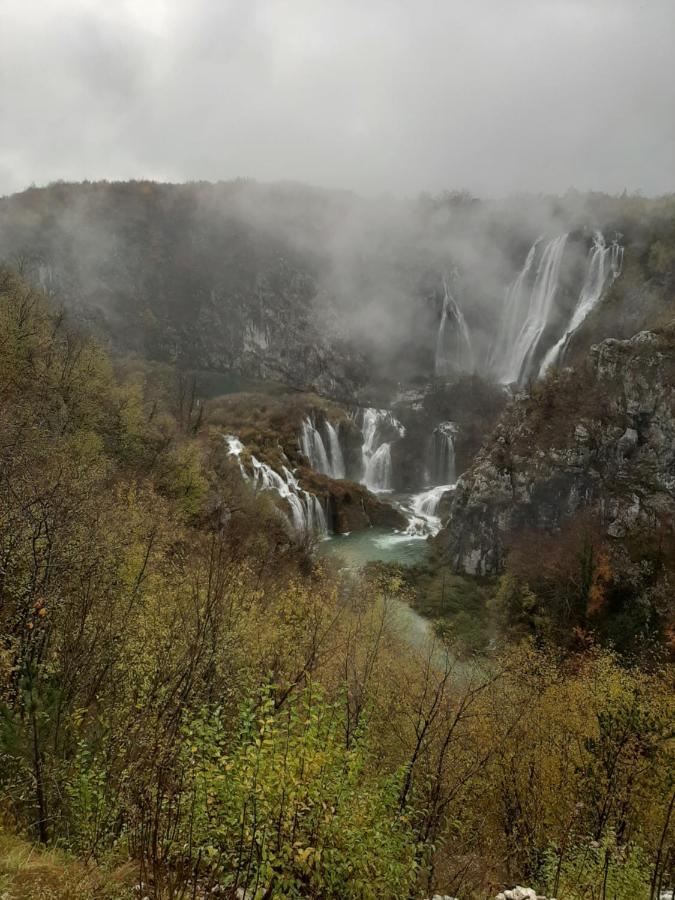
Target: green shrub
[590, 869]
[289, 809]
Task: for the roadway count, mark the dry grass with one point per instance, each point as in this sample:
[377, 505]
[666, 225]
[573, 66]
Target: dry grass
[31, 873]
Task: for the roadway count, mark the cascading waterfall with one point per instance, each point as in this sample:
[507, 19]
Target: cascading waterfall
[337, 461]
[377, 476]
[306, 513]
[369, 423]
[515, 308]
[526, 312]
[456, 355]
[312, 446]
[604, 266]
[442, 454]
[327, 461]
[423, 507]
[376, 453]
[424, 518]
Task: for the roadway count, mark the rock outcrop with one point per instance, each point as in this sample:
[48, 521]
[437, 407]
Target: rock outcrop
[600, 437]
[350, 506]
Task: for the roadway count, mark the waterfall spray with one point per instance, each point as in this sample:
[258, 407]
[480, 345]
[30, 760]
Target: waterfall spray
[458, 356]
[376, 453]
[527, 311]
[327, 461]
[442, 454]
[337, 462]
[312, 446]
[604, 266]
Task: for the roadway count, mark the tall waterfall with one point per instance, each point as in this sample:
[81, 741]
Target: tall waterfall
[377, 475]
[604, 265]
[329, 462]
[306, 513]
[526, 312]
[375, 452]
[442, 454]
[312, 446]
[423, 515]
[515, 308]
[453, 351]
[337, 461]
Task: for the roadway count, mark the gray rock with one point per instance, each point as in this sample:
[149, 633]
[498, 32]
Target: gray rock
[520, 893]
[618, 460]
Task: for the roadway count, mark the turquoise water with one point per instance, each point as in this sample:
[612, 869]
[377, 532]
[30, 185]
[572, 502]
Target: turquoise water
[382, 544]
[360, 547]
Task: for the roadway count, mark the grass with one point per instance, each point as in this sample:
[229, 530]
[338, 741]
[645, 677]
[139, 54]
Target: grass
[28, 872]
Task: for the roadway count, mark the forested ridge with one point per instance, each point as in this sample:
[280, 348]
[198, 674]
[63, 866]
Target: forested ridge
[192, 704]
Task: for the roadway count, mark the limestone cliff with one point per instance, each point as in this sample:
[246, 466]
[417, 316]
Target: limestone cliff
[599, 437]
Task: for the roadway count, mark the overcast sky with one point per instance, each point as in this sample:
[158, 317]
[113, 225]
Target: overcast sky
[374, 95]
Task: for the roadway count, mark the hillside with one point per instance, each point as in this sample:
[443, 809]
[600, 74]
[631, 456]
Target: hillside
[192, 695]
[588, 452]
[323, 290]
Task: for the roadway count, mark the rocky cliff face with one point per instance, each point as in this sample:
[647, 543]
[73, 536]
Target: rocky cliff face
[600, 437]
[218, 278]
[270, 427]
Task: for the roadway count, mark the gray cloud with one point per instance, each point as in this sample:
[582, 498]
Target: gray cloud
[385, 96]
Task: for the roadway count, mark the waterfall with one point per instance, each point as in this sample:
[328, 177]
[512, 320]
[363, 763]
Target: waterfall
[517, 295]
[370, 421]
[337, 462]
[526, 312]
[375, 452]
[377, 476]
[459, 356]
[306, 513]
[604, 266]
[312, 446]
[422, 508]
[442, 454]
[329, 462]
[424, 518]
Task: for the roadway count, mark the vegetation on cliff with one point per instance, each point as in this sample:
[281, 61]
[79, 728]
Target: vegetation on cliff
[188, 700]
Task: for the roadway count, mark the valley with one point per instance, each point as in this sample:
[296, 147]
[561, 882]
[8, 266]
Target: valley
[338, 541]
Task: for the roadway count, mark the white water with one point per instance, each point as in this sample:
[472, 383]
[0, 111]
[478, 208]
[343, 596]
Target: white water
[312, 446]
[327, 461]
[604, 266]
[442, 454]
[376, 453]
[452, 355]
[306, 513]
[526, 312]
[337, 461]
[377, 475]
[512, 316]
[423, 507]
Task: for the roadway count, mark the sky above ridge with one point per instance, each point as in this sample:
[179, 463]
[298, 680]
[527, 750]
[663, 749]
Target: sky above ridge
[492, 96]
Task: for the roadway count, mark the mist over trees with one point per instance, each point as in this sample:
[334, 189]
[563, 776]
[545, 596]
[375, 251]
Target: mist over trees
[337, 450]
[186, 686]
[310, 287]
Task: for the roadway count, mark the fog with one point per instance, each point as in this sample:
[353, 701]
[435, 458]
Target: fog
[494, 96]
[214, 273]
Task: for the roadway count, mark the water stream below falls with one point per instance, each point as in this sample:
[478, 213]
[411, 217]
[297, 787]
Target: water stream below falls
[406, 547]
